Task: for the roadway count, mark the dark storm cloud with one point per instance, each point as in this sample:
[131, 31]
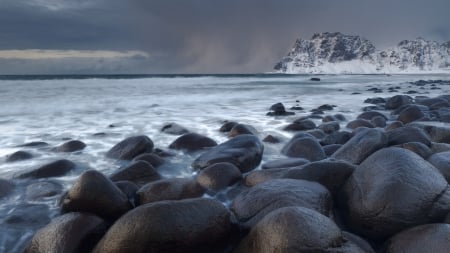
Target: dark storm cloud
[211, 35]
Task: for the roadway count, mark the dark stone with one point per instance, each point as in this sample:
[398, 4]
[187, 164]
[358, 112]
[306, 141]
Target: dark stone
[316, 133]
[54, 169]
[359, 123]
[244, 151]
[419, 148]
[284, 163]
[439, 147]
[139, 172]
[392, 190]
[331, 148]
[362, 244]
[329, 118]
[393, 125]
[314, 79]
[69, 233]
[253, 204]
[94, 193]
[174, 129]
[129, 189]
[431, 101]
[300, 126]
[378, 121]
[271, 139]
[340, 117]
[169, 189]
[219, 176]
[192, 142]
[186, 226]
[442, 162]
[154, 159]
[438, 133]
[444, 114]
[6, 187]
[370, 115]
[326, 107]
[306, 147]
[397, 101]
[410, 113]
[293, 229]
[360, 146]
[329, 127]
[329, 173]
[131, 147]
[34, 144]
[296, 108]
[18, 156]
[227, 126]
[336, 138]
[407, 134]
[279, 110]
[426, 238]
[240, 129]
[260, 176]
[41, 190]
[71, 146]
[376, 100]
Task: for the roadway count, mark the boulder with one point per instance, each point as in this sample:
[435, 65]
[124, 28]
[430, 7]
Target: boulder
[360, 146]
[442, 162]
[284, 163]
[304, 146]
[253, 204]
[301, 125]
[95, 193]
[154, 159]
[370, 115]
[219, 176]
[271, 139]
[240, 129]
[393, 125]
[419, 148]
[174, 129]
[169, 189]
[129, 189]
[244, 151]
[331, 149]
[72, 232]
[378, 121]
[131, 147]
[260, 176]
[71, 146]
[392, 190]
[54, 169]
[359, 123]
[336, 138]
[397, 101]
[18, 156]
[426, 238]
[279, 110]
[139, 172]
[227, 126]
[407, 134]
[410, 113]
[192, 142]
[329, 127]
[186, 226]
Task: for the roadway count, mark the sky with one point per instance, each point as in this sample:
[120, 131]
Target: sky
[194, 36]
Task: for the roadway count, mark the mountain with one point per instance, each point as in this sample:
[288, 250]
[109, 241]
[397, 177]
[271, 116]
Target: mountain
[336, 53]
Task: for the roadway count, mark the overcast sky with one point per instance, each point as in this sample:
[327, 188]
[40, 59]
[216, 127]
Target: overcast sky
[194, 36]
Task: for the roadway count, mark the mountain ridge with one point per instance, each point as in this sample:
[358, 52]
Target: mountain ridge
[337, 53]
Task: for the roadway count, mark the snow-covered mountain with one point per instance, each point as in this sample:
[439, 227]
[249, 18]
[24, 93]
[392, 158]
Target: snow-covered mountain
[337, 53]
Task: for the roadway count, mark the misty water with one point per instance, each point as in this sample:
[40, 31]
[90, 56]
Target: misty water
[56, 110]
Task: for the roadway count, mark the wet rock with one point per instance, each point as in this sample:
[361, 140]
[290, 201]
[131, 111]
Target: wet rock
[6, 187]
[260, 176]
[360, 242]
[360, 146]
[378, 121]
[240, 129]
[18, 156]
[192, 142]
[430, 101]
[331, 148]
[300, 125]
[407, 134]
[329, 173]
[336, 138]
[252, 205]
[397, 101]
[419, 148]
[314, 79]
[359, 123]
[284, 163]
[129, 189]
[329, 118]
[293, 229]
[410, 113]
[95, 193]
[326, 107]
[174, 129]
[71, 146]
[278, 109]
[444, 114]
[131, 147]
[72, 232]
[392, 190]
[34, 144]
[393, 125]
[219, 176]
[271, 139]
[194, 225]
[370, 115]
[244, 151]
[376, 100]
[426, 238]
[139, 172]
[227, 126]
[304, 146]
[438, 133]
[316, 133]
[439, 147]
[169, 189]
[45, 189]
[442, 162]
[154, 159]
[329, 127]
[54, 169]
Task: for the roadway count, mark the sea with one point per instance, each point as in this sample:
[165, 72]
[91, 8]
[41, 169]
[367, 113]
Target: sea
[103, 110]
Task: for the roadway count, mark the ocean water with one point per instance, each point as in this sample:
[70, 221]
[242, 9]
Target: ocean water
[56, 109]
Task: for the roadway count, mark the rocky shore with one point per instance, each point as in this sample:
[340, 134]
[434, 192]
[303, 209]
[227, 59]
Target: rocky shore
[375, 183]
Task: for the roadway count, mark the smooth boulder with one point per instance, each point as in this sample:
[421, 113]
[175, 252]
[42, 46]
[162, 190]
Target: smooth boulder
[139, 172]
[192, 142]
[442, 162]
[71, 146]
[54, 169]
[219, 176]
[304, 146]
[18, 156]
[169, 189]
[407, 134]
[244, 151]
[194, 225]
[131, 147]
